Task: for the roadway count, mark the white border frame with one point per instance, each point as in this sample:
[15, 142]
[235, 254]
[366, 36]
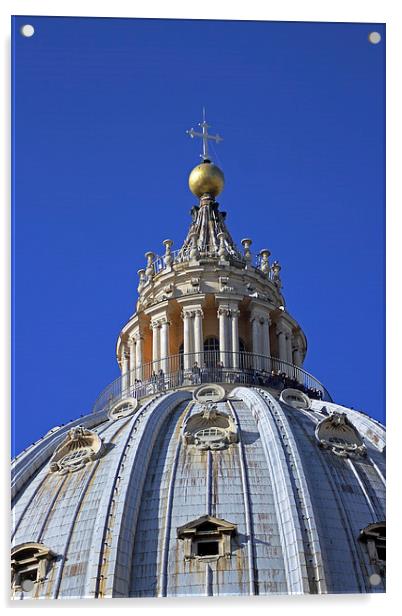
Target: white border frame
[376, 11]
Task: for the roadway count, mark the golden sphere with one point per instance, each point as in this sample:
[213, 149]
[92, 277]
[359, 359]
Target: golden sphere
[206, 178]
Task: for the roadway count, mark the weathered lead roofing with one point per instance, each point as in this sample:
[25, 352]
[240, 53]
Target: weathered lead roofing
[298, 509]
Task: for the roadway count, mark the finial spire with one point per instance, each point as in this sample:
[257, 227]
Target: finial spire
[205, 136]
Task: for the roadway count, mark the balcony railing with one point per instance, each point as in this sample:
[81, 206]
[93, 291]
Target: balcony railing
[183, 256]
[210, 367]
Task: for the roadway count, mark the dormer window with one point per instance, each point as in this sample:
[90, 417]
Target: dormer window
[374, 538]
[123, 408]
[209, 393]
[29, 566]
[295, 398]
[207, 538]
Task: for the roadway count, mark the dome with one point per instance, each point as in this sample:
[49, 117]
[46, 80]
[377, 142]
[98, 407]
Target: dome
[215, 464]
[191, 497]
[206, 178]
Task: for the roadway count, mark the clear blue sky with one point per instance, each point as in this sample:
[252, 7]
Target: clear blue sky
[101, 161]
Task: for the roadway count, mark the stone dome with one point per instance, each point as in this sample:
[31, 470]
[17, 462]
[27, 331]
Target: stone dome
[274, 509]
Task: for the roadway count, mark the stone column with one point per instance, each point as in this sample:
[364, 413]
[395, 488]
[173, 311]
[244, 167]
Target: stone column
[223, 313]
[187, 346]
[285, 346]
[164, 345]
[297, 357]
[124, 371]
[255, 339]
[235, 337]
[266, 347]
[155, 327]
[198, 337]
[289, 347]
[138, 356]
[282, 347]
[131, 346]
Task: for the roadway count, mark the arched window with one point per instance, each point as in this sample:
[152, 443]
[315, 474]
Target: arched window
[242, 359]
[211, 351]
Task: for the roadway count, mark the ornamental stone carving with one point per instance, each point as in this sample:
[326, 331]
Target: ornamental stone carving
[210, 429]
[168, 290]
[224, 311]
[264, 264]
[194, 286]
[149, 270]
[246, 243]
[194, 254]
[78, 448]
[275, 269]
[142, 280]
[339, 435]
[168, 258]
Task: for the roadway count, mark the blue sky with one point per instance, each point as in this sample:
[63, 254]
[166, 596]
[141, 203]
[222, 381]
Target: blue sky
[101, 161]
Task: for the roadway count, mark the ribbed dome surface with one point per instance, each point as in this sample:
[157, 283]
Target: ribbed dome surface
[287, 511]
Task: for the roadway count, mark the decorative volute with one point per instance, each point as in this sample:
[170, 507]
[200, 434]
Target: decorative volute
[207, 228]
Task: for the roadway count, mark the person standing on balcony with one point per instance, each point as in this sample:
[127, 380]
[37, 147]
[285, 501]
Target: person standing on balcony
[161, 380]
[154, 381]
[219, 371]
[204, 374]
[196, 374]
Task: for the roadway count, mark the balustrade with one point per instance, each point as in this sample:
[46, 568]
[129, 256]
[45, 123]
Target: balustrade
[181, 370]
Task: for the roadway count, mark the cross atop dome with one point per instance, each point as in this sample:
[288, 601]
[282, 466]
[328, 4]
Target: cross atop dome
[206, 178]
[205, 136]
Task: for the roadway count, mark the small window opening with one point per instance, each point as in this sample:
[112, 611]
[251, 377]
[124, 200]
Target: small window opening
[29, 565]
[381, 551]
[207, 527]
[208, 548]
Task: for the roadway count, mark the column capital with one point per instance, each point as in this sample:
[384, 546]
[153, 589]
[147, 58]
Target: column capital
[282, 327]
[260, 317]
[187, 313]
[164, 321]
[224, 310]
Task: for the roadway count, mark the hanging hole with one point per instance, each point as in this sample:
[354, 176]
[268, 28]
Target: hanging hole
[374, 38]
[27, 30]
[375, 579]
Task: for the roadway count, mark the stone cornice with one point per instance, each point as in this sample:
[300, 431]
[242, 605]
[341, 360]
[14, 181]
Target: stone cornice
[194, 300]
[159, 308]
[260, 306]
[228, 298]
